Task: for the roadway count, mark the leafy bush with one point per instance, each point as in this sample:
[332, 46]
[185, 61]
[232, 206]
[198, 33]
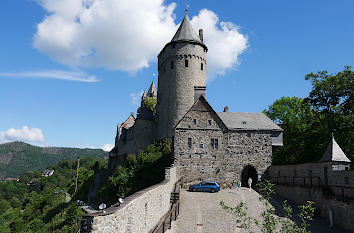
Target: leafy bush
[139, 172]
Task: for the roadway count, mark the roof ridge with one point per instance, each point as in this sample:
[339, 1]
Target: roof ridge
[185, 31]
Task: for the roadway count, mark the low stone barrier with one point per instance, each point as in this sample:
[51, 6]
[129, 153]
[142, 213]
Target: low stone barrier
[140, 211]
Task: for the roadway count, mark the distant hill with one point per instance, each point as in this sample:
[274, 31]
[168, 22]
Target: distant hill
[19, 157]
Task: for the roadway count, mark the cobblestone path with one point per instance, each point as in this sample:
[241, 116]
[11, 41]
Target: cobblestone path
[201, 212]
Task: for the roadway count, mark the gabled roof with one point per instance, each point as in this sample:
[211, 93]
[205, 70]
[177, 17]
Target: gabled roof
[186, 32]
[248, 121]
[205, 107]
[334, 153]
[152, 90]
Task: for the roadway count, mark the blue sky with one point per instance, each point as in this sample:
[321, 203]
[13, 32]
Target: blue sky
[278, 43]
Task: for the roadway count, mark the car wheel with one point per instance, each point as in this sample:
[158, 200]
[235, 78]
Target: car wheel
[194, 190]
[212, 190]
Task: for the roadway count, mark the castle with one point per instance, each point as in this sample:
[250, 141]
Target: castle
[208, 145]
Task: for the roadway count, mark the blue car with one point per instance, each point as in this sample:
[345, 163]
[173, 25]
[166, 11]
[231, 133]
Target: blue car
[205, 186]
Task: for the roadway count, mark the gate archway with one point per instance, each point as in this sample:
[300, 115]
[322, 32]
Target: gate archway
[249, 171]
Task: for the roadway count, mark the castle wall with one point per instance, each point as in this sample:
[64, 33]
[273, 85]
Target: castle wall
[137, 138]
[140, 212]
[247, 148]
[236, 149]
[302, 182]
[176, 85]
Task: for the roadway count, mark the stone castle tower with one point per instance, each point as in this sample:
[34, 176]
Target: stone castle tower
[182, 77]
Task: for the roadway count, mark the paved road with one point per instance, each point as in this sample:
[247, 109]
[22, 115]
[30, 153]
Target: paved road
[201, 212]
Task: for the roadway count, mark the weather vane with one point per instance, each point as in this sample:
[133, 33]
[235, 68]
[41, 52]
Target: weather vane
[187, 8]
[153, 76]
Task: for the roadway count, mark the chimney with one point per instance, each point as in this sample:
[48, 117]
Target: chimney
[226, 109]
[198, 91]
[201, 35]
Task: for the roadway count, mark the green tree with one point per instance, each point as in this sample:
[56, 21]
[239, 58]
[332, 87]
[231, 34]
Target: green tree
[151, 103]
[308, 123]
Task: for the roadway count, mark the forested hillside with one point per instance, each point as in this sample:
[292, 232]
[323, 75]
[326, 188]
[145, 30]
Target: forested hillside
[37, 204]
[18, 157]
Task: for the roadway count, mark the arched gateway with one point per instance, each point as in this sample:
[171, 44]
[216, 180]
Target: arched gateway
[247, 172]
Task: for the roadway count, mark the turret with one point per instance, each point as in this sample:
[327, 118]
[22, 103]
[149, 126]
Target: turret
[182, 76]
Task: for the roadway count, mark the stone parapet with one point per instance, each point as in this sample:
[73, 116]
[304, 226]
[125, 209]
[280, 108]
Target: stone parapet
[140, 211]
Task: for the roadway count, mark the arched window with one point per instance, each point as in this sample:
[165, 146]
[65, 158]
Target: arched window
[201, 66]
[186, 63]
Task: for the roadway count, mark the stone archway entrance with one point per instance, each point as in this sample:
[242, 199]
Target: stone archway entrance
[249, 171]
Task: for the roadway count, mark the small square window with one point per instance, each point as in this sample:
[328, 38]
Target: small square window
[209, 122]
[195, 121]
[200, 145]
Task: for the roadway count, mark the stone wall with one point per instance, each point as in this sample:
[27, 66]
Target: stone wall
[140, 212]
[137, 137]
[318, 182]
[176, 84]
[236, 149]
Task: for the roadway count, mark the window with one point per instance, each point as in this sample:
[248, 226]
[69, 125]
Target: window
[195, 121]
[209, 122]
[189, 142]
[186, 63]
[201, 146]
[201, 66]
[214, 143]
[171, 65]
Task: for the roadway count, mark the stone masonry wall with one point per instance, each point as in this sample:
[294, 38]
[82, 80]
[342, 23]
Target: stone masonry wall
[140, 212]
[176, 85]
[300, 189]
[236, 149]
[138, 137]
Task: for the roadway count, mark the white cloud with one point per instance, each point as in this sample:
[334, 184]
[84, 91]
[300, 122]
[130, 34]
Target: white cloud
[224, 41]
[135, 98]
[104, 147]
[124, 35]
[127, 35]
[107, 147]
[54, 74]
[23, 134]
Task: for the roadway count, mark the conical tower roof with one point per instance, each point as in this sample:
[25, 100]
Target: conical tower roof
[152, 90]
[334, 153]
[186, 32]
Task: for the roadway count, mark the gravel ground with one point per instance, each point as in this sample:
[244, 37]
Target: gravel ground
[201, 212]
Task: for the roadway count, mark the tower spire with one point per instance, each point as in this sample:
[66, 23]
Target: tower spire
[187, 8]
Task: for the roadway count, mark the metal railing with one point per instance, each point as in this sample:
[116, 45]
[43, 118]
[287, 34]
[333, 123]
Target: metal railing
[166, 222]
[314, 181]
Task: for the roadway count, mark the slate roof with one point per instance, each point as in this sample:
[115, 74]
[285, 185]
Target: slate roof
[248, 121]
[152, 90]
[186, 32]
[334, 153]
